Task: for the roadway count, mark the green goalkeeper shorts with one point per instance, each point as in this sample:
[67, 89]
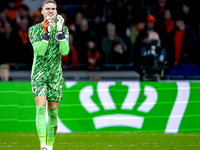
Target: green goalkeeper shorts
[52, 90]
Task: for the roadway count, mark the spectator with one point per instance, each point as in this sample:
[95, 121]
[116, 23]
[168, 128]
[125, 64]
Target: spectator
[117, 55]
[129, 16]
[70, 62]
[81, 38]
[98, 26]
[5, 73]
[114, 15]
[25, 53]
[143, 36]
[132, 33]
[149, 27]
[93, 56]
[181, 42]
[76, 25]
[109, 41]
[169, 22]
[10, 44]
[23, 13]
[12, 10]
[189, 8]
[3, 18]
[167, 26]
[190, 12]
[37, 17]
[128, 13]
[159, 10]
[186, 12]
[23, 31]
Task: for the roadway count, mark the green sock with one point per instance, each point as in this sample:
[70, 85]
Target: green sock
[41, 123]
[52, 126]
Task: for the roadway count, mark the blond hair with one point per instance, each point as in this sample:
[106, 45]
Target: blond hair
[48, 1]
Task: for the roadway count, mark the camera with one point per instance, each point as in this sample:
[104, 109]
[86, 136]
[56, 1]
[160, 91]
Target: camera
[152, 60]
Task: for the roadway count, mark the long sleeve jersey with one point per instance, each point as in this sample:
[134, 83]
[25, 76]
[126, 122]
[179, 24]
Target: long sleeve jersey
[47, 55]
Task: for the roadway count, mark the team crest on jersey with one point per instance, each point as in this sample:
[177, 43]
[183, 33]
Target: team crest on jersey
[32, 37]
[34, 89]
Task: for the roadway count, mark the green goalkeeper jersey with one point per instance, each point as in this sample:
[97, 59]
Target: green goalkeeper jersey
[47, 55]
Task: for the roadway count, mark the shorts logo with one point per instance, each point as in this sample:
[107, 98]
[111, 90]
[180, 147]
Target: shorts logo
[34, 89]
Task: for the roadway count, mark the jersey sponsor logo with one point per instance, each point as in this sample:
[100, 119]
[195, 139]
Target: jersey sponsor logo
[34, 89]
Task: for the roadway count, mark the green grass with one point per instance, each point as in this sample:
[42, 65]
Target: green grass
[104, 141]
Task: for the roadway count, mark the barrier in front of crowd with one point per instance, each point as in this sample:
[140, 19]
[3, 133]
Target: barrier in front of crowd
[108, 106]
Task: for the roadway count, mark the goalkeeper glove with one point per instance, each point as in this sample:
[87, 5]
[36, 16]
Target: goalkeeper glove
[60, 26]
[46, 27]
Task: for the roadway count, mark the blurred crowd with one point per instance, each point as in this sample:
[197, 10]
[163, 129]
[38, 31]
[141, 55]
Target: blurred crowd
[107, 34]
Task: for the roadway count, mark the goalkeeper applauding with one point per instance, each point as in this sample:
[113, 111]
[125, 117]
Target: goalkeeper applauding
[50, 42]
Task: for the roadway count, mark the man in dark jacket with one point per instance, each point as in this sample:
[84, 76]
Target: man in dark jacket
[81, 39]
[181, 43]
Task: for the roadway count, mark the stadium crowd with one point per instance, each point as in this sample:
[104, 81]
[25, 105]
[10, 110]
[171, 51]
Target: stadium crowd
[104, 34]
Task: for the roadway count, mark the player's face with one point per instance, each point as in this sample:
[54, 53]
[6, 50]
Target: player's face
[49, 10]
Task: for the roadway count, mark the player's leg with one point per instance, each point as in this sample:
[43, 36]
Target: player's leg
[54, 97]
[40, 119]
[52, 123]
[39, 92]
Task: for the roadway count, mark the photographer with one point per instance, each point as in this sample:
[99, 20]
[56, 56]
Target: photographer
[152, 60]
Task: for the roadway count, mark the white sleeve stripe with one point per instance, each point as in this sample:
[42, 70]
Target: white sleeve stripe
[45, 41]
[62, 40]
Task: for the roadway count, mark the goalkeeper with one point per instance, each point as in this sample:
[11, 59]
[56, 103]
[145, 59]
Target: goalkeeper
[50, 41]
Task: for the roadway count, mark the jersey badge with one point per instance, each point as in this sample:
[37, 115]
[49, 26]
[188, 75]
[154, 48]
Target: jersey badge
[32, 37]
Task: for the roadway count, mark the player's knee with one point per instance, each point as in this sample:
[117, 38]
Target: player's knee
[41, 110]
[53, 105]
[40, 100]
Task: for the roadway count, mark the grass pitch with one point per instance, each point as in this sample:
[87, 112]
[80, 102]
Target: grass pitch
[104, 141]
